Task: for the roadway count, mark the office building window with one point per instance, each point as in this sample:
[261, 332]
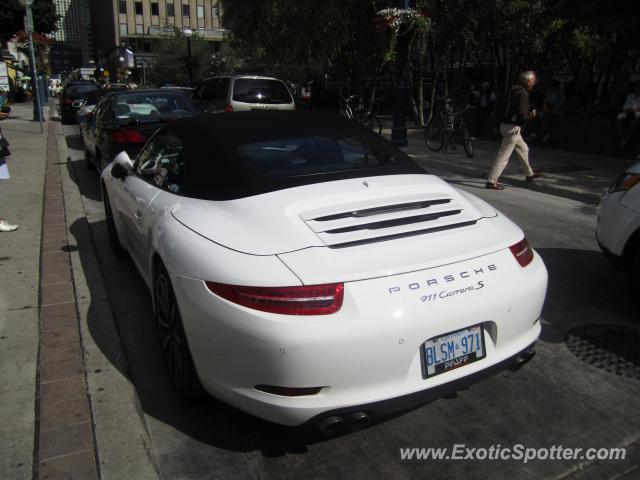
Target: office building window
[139, 29]
[154, 8]
[170, 11]
[200, 10]
[123, 6]
[185, 10]
[146, 47]
[123, 29]
[138, 8]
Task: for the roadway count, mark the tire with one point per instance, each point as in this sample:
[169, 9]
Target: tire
[87, 160]
[374, 124]
[466, 141]
[634, 271]
[114, 239]
[173, 341]
[346, 112]
[434, 134]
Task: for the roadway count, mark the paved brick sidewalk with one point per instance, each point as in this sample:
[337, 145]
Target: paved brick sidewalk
[66, 440]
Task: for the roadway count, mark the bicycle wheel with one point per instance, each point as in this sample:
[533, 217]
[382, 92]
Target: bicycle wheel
[346, 111]
[374, 124]
[466, 140]
[434, 134]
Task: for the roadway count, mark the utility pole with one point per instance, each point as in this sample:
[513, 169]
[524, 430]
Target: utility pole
[35, 88]
[401, 91]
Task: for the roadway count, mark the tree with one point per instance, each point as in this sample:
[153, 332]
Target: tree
[296, 37]
[172, 60]
[12, 15]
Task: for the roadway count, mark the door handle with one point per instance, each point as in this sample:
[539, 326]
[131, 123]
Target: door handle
[138, 215]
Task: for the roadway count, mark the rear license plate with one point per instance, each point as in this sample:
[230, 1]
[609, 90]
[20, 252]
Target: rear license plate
[453, 350]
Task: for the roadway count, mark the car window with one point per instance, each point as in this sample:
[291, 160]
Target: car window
[313, 155]
[81, 90]
[260, 90]
[151, 104]
[215, 89]
[161, 162]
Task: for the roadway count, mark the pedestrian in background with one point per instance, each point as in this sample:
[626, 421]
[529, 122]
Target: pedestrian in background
[516, 116]
[4, 175]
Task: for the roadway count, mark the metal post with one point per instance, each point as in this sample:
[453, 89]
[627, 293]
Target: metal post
[401, 91]
[189, 61]
[35, 88]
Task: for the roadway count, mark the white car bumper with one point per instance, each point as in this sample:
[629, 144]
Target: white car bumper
[369, 351]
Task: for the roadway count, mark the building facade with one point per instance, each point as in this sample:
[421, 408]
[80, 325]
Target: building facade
[139, 24]
[73, 38]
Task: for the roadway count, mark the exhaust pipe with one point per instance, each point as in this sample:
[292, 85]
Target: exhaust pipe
[358, 420]
[522, 359]
[331, 426]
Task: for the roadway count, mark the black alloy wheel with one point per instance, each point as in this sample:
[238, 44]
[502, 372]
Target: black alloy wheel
[173, 341]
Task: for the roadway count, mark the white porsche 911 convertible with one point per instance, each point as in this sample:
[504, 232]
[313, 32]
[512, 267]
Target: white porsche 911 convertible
[303, 269]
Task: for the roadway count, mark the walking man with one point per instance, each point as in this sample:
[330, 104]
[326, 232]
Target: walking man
[515, 118]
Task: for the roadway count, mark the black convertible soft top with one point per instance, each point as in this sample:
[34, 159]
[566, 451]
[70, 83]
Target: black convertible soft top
[235, 155]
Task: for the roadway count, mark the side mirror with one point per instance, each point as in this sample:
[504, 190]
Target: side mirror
[122, 166]
[123, 159]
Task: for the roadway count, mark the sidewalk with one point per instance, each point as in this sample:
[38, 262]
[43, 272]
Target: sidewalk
[578, 176]
[21, 202]
[66, 410]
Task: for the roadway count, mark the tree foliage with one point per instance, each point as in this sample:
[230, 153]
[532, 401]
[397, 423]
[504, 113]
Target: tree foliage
[12, 15]
[172, 60]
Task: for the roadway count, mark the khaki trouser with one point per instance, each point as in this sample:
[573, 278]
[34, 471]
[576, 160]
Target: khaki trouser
[511, 140]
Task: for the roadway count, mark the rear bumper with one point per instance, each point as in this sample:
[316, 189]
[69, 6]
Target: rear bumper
[369, 352]
[414, 400]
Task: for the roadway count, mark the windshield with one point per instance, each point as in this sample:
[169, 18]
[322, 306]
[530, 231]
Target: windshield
[151, 104]
[260, 90]
[314, 155]
[74, 91]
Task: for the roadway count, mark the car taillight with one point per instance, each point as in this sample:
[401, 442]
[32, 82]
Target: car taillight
[228, 109]
[523, 252]
[128, 135]
[67, 101]
[624, 182]
[300, 300]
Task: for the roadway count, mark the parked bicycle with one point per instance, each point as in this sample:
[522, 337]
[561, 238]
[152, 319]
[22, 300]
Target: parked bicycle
[354, 108]
[446, 128]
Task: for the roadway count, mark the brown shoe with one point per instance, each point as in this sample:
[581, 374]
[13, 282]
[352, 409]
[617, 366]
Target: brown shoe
[493, 186]
[531, 178]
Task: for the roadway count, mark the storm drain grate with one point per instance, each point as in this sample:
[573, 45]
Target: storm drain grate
[614, 348]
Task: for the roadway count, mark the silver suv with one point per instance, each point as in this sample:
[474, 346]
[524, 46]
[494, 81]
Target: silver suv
[235, 93]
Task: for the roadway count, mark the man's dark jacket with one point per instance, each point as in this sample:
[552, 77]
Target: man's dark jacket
[517, 112]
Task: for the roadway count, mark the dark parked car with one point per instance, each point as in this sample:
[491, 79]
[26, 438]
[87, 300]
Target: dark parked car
[73, 96]
[92, 100]
[124, 120]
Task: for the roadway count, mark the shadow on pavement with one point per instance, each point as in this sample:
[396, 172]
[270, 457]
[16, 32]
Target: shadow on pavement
[584, 289]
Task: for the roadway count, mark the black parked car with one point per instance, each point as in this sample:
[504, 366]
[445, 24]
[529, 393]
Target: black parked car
[73, 96]
[124, 120]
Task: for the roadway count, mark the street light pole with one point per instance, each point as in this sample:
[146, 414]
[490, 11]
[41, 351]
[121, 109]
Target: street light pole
[28, 26]
[401, 91]
[187, 33]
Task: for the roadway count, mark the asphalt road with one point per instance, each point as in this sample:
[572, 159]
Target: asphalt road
[557, 399]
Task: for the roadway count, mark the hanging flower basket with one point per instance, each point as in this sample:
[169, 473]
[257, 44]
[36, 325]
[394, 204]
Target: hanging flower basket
[401, 22]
